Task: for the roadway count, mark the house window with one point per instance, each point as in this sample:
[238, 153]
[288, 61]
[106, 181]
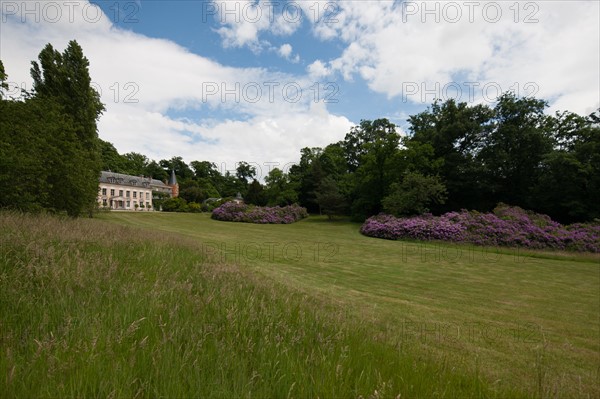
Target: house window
[112, 192]
[134, 194]
[103, 191]
[120, 193]
[128, 203]
[147, 196]
[104, 202]
[127, 195]
[141, 195]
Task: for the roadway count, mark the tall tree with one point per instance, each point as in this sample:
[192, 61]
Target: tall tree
[455, 132]
[280, 189]
[245, 172]
[308, 174]
[568, 186]
[64, 79]
[414, 195]
[135, 163]
[182, 170]
[110, 157]
[372, 151]
[255, 194]
[3, 77]
[514, 148]
[329, 198]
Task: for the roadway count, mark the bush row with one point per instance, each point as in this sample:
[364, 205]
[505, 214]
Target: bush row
[233, 212]
[505, 226]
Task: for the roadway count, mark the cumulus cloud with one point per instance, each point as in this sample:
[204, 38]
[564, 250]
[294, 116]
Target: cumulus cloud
[547, 49]
[318, 70]
[242, 21]
[285, 51]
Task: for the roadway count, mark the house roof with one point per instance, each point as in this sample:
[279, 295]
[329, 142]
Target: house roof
[129, 180]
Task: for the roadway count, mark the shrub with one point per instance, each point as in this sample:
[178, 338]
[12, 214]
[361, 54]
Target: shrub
[233, 212]
[194, 207]
[176, 204]
[506, 226]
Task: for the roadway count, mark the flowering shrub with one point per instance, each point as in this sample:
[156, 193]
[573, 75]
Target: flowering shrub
[233, 212]
[506, 226]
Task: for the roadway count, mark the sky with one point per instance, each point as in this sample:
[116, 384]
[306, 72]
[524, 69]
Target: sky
[256, 80]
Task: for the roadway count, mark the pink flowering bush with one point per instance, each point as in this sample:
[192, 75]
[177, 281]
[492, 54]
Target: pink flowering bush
[505, 226]
[232, 212]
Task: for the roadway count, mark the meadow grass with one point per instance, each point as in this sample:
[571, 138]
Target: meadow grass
[515, 319]
[96, 309]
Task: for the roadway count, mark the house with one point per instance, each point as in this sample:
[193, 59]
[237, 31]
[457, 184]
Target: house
[126, 192]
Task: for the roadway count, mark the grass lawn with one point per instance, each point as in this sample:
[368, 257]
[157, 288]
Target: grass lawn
[178, 305]
[518, 318]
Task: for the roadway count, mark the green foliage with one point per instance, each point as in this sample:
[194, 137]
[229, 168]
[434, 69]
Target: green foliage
[256, 194]
[135, 163]
[455, 132]
[3, 77]
[158, 198]
[373, 152]
[280, 189]
[329, 198]
[194, 207]
[111, 159]
[569, 183]
[176, 204]
[245, 171]
[204, 170]
[182, 170]
[50, 151]
[193, 194]
[414, 195]
[514, 149]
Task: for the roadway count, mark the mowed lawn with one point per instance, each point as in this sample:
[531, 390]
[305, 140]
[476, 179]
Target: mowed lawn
[519, 319]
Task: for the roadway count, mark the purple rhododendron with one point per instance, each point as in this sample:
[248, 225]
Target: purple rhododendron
[506, 226]
[233, 212]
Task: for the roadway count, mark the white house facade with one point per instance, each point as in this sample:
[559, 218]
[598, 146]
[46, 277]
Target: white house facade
[125, 192]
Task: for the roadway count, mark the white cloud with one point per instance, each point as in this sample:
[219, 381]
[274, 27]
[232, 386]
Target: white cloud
[549, 45]
[318, 70]
[141, 90]
[285, 50]
[244, 20]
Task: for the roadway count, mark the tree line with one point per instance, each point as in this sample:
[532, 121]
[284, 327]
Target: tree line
[454, 156]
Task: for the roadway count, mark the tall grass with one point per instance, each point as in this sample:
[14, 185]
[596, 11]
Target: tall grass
[514, 318]
[91, 309]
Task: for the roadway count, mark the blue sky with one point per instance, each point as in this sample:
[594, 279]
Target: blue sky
[205, 79]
